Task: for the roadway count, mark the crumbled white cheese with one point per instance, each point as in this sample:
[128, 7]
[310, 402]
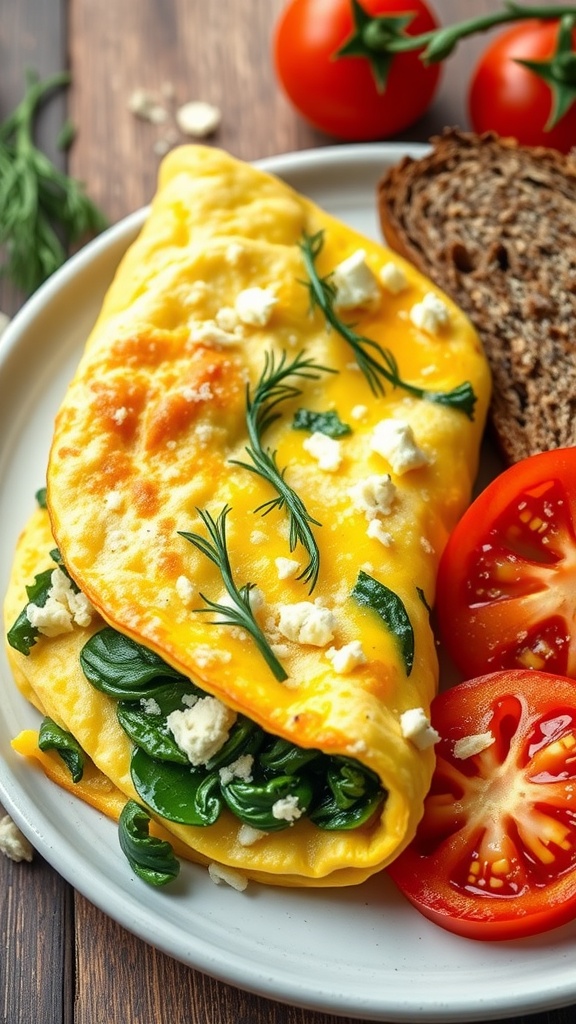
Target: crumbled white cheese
[248, 835]
[150, 706]
[345, 659]
[235, 879]
[307, 623]
[394, 440]
[185, 590]
[113, 501]
[210, 332]
[62, 610]
[144, 104]
[13, 843]
[4, 321]
[254, 306]
[393, 278]
[258, 537]
[358, 412]
[241, 768]
[287, 809]
[374, 496]
[467, 746]
[376, 531]
[415, 726]
[227, 319]
[119, 415]
[430, 314]
[189, 699]
[286, 568]
[200, 731]
[326, 451]
[355, 283]
[234, 253]
[198, 118]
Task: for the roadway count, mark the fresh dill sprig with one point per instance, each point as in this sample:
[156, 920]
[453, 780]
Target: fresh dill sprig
[374, 361]
[42, 210]
[239, 613]
[261, 411]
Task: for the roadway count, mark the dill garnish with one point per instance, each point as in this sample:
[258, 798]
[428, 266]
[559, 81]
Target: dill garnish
[42, 210]
[239, 612]
[374, 361]
[261, 411]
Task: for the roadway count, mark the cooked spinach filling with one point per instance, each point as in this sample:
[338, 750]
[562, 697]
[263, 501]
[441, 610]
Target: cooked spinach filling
[284, 782]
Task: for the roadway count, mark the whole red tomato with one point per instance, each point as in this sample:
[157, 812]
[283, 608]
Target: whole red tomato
[513, 100]
[339, 95]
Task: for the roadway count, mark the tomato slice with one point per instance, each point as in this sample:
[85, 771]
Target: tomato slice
[507, 579]
[494, 856]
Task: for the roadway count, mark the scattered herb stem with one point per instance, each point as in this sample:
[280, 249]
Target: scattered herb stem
[42, 210]
[239, 613]
[374, 361]
[261, 411]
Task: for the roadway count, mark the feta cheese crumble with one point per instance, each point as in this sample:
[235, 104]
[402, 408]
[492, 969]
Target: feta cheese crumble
[248, 835]
[254, 306]
[376, 531]
[241, 768]
[198, 118]
[345, 659]
[185, 590]
[286, 568]
[13, 844]
[393, 278]
[374, 496]
[467, 746]
[307, 623]
[62, 610]
[235, 879]
[355, 283]
[394, 440]
[287, 809]
[415, 726]
[326, 451]
[200, 731]
[430, 314]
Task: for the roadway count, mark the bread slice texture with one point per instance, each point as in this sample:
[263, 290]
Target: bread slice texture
[494, 225]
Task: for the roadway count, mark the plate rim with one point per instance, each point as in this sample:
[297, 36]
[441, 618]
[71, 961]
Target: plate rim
[133, 916]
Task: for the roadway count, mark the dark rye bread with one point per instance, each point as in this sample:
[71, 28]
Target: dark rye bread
[494, 225]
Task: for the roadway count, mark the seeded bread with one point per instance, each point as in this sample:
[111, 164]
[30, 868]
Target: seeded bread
[494, 225]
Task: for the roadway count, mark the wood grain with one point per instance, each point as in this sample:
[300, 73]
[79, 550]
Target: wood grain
[61, 960]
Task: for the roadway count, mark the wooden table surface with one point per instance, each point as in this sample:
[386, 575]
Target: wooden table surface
[61, 960]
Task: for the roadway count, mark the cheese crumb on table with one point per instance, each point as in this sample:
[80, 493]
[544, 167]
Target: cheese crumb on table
[198, 118]
[4, 321]
[13, 844]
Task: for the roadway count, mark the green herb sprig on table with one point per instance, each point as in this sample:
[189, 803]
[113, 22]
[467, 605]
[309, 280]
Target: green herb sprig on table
[42, 210]
[239, 613]
[374, 361]
[261, 411]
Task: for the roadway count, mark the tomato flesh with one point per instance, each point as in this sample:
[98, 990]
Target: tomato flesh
[494, 856]
[507, 579]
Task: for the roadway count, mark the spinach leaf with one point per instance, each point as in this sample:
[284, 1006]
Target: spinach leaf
[150, 858]
[328, 815]
[122, 668]
[53, 737]
[373, 594]
[324, 422]
[41, 498]
[245, 738]
[284, 758]
[253, 802]
[22, 635]
[176, 792]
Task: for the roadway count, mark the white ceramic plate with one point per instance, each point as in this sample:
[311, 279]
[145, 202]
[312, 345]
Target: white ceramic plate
[362, 952]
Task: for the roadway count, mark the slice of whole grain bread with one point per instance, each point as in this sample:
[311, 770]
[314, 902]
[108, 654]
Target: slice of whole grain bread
[494, 225]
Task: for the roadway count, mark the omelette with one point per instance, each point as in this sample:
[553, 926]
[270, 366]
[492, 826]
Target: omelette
[223, 604]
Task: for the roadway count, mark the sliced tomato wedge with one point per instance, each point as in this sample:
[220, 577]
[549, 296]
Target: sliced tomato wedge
[494, 856]
[507, 579]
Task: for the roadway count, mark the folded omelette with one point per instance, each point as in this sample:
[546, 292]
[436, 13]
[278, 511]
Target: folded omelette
[226, 602]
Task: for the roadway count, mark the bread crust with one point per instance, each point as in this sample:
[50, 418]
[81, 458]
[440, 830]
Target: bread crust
[493, 224]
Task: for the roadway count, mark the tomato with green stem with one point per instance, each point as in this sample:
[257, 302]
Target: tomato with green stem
[331, 63]
[506, 594]
[524, 84]
[494, 856]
